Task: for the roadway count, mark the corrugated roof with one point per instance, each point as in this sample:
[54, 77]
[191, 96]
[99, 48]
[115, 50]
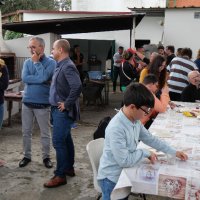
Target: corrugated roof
[183, 3]
[153, 12]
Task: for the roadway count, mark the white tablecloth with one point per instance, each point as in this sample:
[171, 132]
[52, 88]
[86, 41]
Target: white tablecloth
[169, 176]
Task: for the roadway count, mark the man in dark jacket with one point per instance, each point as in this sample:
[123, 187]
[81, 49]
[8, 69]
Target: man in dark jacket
[64, 93]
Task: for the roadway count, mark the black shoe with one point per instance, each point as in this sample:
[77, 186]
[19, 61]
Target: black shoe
[47, 163]
[24, 162]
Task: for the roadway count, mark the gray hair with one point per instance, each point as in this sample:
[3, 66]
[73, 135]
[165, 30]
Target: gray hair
[39, 39]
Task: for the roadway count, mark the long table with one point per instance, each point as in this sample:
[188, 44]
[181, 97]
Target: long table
[169, 176]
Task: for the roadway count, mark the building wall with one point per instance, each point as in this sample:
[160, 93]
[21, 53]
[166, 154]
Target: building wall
[98, 5]
[181, 29]
[115, 5]
[19, 45]
[150, 29]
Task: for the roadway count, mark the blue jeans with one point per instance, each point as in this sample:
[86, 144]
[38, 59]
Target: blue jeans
[107, 187]
[1, 114]
[62, 141]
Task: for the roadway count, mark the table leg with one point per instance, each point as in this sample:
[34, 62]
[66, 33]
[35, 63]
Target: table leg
[107, 93]
[9, 109]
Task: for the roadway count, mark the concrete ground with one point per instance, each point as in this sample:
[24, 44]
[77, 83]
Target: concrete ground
[27, 183]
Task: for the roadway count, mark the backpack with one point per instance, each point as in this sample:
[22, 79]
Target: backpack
[100, 131]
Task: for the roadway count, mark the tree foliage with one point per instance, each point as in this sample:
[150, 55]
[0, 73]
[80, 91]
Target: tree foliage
[14, 5]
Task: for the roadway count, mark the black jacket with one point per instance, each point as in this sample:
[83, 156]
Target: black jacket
[190, 94]
[4, 79]
[130, 71]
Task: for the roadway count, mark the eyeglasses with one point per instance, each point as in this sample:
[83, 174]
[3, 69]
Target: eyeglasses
[31, 47]
[145, 111]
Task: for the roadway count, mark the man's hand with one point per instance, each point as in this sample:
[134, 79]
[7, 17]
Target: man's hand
[61, 106]
[181, 155]
[36, 56]
[153, 157]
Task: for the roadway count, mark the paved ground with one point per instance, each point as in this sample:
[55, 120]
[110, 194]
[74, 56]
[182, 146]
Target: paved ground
[27, 183]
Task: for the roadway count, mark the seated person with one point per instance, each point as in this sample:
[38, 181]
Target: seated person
[160, 105]
[122, 136]
[191, 93]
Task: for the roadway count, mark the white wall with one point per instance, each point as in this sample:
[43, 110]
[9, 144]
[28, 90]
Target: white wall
[150, 29]
[181, 29]
[99, 5]
[115, 5]
[48, 16]
[19, 45]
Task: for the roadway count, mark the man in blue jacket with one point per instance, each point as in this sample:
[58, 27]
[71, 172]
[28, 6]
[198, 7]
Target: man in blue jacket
[36, 74]
[64, 93]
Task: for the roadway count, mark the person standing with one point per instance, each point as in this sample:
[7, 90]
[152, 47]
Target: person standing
[161, 50]
[170, 54]
[37, 73]
[64, 94]
[117, 58]
[4, 79]
[78, 59]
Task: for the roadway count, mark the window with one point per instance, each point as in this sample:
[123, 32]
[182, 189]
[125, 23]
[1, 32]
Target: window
[197, 15]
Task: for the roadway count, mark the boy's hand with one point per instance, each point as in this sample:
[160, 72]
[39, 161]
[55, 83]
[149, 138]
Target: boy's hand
[181, 155]
[153, 157]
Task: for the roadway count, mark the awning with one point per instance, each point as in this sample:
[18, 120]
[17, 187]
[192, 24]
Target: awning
[75, 25]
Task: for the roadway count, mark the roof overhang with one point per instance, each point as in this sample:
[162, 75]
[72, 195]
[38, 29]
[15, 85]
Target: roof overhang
[76, 25]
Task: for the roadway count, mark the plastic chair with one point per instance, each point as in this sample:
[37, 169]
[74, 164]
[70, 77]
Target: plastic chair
[95, 150]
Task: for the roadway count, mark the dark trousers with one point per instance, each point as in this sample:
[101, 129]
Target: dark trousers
[175, 96]
[116, 73]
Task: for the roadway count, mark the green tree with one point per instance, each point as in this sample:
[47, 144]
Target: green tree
[13, 5]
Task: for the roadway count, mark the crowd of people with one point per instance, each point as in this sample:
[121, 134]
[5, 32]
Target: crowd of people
[162, 78]
[53, 85]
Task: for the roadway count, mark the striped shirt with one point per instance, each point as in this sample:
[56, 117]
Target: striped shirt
[178, 77]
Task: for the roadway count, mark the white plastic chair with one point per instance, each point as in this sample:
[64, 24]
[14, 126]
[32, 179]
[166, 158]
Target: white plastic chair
[95, 150]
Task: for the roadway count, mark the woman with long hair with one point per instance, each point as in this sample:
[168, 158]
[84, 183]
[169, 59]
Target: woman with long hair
[158, 68]
[144, 72]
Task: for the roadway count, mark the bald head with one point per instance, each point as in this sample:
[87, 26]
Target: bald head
[194, 77]
[63, 44]
[61, 49]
